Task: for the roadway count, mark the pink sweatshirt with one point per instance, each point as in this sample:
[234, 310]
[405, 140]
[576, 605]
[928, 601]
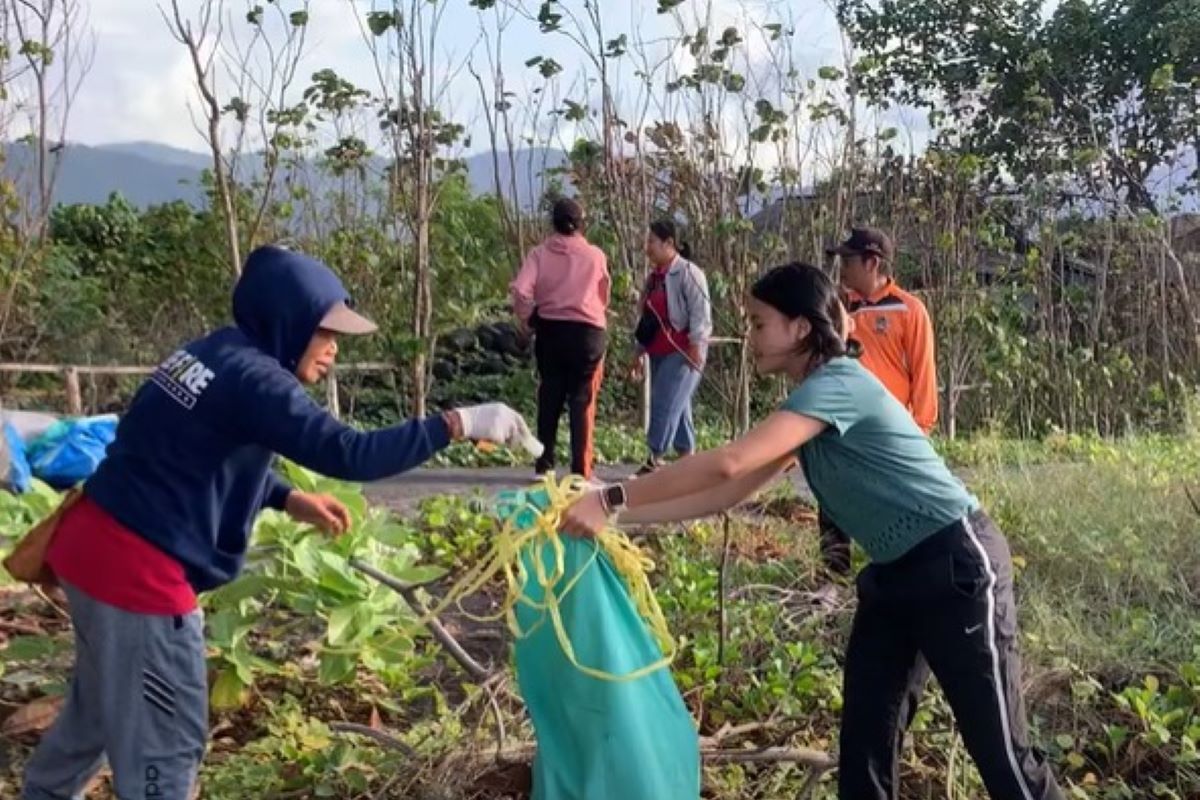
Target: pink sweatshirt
[564, 278]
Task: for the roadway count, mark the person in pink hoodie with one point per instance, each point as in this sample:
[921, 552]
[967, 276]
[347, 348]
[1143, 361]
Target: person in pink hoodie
[561, 294]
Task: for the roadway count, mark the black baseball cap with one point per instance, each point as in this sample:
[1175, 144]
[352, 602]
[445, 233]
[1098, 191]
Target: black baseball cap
[865, 242]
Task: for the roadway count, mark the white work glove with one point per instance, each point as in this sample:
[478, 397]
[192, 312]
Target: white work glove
[496, 422]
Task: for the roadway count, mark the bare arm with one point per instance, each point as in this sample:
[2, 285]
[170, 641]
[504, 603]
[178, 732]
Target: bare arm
[703, 504]
[742, 461]
[777, 437]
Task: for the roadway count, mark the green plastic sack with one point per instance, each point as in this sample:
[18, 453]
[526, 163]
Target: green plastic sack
[597, 739]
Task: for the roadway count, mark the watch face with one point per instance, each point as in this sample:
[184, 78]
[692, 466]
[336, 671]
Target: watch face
[615, 496]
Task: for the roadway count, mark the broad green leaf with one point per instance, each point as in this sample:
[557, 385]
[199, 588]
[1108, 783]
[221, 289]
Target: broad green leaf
[338, 576]
[243, 588]
[306, 557]
[32, 648]
[422, 574]
[228, 691]
[227, 627]
[243, 661]
[354, 499]
[401, 562]
[392, 646]
[299, 477]
[336, 667]
[392, 534]
[341, 624]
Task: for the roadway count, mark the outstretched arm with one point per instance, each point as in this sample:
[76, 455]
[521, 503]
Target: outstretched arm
[767, 445]
[704, 504]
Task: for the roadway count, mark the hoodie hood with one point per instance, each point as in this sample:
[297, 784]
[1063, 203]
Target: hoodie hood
[560, 244]
[280, 301]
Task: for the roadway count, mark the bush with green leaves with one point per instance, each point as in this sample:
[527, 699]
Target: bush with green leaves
[298, 579]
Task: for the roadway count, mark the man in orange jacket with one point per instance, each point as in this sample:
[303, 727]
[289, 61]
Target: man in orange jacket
[896, 335]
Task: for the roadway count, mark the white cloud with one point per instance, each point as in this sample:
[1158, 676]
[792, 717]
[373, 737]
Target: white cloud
[141, 85]
[140, 82]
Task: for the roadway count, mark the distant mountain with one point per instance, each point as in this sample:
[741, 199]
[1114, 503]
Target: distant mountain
[163, 153]
[90, 174]
[149, 173]
[530, 166]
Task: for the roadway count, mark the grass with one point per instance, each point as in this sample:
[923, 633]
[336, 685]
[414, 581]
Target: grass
[1111, 570]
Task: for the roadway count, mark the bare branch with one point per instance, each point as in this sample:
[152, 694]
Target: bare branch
[478, 673]
[202, 60]
[385, 739]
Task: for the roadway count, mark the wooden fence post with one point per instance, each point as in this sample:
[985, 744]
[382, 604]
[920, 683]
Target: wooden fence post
[74, 395]
[645, 395]
[331, 394]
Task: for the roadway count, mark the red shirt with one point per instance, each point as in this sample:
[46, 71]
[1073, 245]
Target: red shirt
[667, 340]
[106, 561]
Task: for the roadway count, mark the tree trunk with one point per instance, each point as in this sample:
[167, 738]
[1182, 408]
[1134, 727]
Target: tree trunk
[422, 308]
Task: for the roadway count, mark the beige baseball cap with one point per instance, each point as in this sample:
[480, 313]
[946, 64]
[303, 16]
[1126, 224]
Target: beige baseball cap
[345, 320]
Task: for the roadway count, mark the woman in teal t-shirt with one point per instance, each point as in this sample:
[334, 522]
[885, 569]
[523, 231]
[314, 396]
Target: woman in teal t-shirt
[939, 585]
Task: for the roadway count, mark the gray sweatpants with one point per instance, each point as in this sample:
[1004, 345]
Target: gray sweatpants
[139, 697]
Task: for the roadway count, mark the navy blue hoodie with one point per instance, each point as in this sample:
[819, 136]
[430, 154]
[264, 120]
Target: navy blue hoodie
[190, 468]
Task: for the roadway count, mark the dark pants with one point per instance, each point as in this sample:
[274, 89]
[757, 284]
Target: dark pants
[950, 602]
[835, 552]
[570, 361]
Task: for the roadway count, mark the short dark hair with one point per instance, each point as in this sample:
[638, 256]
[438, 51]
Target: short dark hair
[801, 290]
[566, 216]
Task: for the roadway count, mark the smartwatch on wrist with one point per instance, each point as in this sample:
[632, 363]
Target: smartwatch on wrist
[613, 498]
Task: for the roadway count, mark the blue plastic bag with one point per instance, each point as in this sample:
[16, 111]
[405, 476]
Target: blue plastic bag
[70, 451]
[20, 477]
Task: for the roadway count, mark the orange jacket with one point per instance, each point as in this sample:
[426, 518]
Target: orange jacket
[897, 339]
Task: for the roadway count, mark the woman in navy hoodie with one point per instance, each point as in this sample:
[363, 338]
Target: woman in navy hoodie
[169, 513]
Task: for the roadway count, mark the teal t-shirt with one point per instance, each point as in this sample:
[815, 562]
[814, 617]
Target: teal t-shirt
[875, 474]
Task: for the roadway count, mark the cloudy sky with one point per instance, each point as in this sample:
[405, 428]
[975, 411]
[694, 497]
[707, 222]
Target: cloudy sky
[140, 84]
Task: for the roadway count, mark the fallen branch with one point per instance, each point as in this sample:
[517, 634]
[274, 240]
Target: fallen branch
[477, 671]
[46, 598]
[25, 628]
[816, 760]
[523, 752]
[498, 713]
[728, 731]
[750, 588]
[385, 739]
[387, 787]
[813, 759]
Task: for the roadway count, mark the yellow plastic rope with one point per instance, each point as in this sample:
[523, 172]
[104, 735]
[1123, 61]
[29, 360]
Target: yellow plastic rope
[629, 561]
